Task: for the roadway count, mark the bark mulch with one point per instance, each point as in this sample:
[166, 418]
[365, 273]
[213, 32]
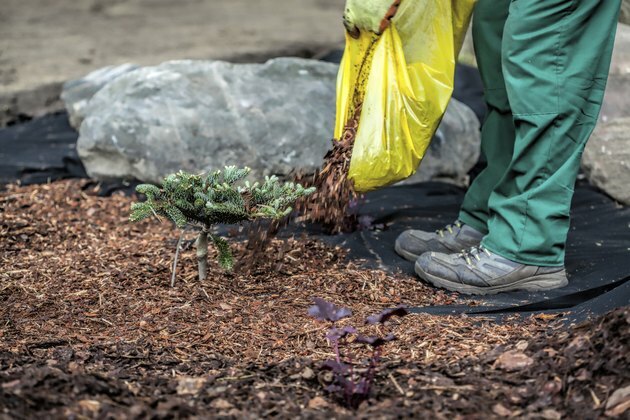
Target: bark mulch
[89, 327]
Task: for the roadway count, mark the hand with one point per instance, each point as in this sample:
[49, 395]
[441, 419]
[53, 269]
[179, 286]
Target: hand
[369, 15]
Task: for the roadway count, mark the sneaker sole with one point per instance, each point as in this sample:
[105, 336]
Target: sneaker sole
[405, 254]
[530, 284]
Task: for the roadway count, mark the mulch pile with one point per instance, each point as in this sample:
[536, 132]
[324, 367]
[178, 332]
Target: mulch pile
[90, 327]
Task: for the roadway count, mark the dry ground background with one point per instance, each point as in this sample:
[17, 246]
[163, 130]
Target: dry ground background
[44, 43]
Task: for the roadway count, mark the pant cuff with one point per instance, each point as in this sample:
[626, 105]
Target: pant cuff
[474, 223]
[487, 243]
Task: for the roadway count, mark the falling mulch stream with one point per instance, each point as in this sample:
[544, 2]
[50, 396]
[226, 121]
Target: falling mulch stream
[330, 205]
[89, 327]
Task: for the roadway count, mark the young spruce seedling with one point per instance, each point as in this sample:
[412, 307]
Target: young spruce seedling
[220, 197]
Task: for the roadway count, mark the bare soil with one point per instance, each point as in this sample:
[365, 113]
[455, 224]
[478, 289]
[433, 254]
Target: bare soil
[45, 43]
[90, 327]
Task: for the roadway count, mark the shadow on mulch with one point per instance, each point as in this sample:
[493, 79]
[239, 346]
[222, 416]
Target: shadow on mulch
[597, 251]
[568, 374]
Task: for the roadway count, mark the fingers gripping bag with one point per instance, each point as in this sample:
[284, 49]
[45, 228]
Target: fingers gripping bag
[394, 86]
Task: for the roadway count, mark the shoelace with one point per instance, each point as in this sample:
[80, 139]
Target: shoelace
[449, 229]
[472, 254]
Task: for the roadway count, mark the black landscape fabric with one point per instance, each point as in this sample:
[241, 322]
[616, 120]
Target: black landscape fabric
[598, 250]
[39, 151]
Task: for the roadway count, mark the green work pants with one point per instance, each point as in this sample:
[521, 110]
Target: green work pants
[544, 65]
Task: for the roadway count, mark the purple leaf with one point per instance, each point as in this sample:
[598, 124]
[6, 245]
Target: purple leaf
[326, 311]
[336, 367]
[365, 222]
[333, 389]
[384, 316]
[363, 388]
[336, 334]
[375, 341]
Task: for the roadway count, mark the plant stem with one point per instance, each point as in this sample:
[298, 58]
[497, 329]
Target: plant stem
[337, 353]
[371, 373]
[202, 254]
[177, 250]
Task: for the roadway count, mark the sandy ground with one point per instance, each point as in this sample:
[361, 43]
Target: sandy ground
[46, 42]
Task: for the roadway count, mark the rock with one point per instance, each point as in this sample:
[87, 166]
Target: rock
[621, 52]
[578, 343]
[513, 360]
[90, 407]
[317, 403]
[624, 16]
[501, 411]
[203, 115]
[618, 403]
[522, 345]
[551, 414]
[617, 102]
[221, 404]
[455, 149]
[190, 386]
[77, 93]
[606, 159]
[467, 53]
[308, 373]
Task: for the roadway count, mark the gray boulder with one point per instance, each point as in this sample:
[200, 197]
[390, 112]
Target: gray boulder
[455, 149]
[606, 159]
[77, 93]
[201, 115]
[624, 16]
[617, 100]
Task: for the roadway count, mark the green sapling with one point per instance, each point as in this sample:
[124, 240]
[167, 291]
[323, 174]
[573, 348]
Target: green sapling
[220, 197]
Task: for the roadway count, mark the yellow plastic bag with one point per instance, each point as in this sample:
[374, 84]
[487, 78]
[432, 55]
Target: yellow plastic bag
[399, 84]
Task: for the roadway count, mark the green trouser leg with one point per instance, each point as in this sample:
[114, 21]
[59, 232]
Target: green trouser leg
[497, 132]
[555, 59]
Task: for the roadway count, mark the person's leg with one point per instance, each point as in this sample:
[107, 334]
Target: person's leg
[556, 60]
[497, 135]
[497, 144]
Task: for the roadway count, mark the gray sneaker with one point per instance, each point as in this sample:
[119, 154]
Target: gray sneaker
[477, 271]
[453, 238]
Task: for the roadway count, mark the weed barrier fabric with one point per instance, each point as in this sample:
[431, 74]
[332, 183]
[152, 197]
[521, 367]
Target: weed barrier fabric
[40, 151]
[598, 249]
